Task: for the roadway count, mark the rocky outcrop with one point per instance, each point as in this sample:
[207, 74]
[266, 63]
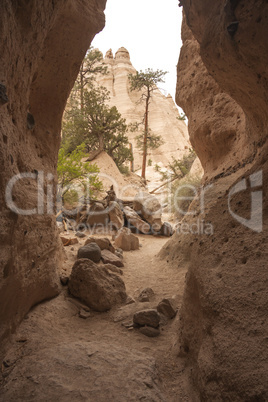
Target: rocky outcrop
[42, 45]
[223, 328]
[163, 115]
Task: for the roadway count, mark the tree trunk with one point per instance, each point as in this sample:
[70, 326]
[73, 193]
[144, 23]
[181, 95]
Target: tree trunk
[131, 162]
[92, 155]
[81, 87]
[146, 126]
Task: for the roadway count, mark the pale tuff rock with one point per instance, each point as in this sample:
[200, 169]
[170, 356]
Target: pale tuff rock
[122, 53]
[109, 54]
[163, 116]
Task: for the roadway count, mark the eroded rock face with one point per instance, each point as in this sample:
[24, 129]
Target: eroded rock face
[222, 324]
[216, 121]
[42, 46]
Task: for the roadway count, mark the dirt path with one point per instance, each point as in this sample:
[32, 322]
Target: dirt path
[54, 329]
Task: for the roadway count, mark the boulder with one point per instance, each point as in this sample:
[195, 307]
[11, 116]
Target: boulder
[103, 243]
[97, 215]
[166, 229]
[110, 258]
[146, 295]
[84, 314]
[134, 219]
[91, 251]
[148, 317]
[96, 286]
[149, 208]
[126, 240]
[166, 308]
[116, 215]
[150, 331]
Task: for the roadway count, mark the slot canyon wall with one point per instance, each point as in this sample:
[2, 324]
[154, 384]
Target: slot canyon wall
[42, 44]
[222, 86]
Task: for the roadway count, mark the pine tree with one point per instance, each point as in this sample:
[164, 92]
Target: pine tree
[146, 82]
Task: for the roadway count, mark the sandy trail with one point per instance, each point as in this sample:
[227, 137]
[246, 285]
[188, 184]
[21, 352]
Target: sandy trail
[57, 322]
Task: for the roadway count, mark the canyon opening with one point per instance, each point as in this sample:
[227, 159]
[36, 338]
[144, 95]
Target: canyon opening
[133, 245]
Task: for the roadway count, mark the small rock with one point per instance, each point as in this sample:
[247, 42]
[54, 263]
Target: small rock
[119, 255]
[126, 240]
[78, 304]
[127, 325]
[166, 229]
[146, 295]
[68, 241]
[166, 308]
[84, 314]
[80, 234]
[130, 300]
[90, 251]
[103, 243]
[64, 280]
[110, 258]
[148, 317]
[149, 331]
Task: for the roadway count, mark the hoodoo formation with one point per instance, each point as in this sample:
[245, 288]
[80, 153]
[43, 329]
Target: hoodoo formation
[163, 114]
[221, 325]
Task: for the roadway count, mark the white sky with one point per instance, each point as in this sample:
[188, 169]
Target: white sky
[149, 30]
